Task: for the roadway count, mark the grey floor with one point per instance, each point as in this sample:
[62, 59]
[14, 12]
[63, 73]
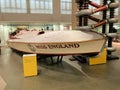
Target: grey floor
[68, 75]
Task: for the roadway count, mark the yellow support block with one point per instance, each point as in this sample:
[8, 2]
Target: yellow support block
[29, 65]
[100, 59]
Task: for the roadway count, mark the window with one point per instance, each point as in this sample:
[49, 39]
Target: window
[41, 6]
[117, 9]
[66, 6]
[13, 6]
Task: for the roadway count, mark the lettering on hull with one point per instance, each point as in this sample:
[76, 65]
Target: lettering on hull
[55, 46]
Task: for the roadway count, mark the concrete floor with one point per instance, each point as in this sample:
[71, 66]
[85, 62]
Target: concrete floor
[68, 75]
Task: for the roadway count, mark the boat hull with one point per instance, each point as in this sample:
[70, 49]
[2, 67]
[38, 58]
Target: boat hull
[68, 48]
[59, 46]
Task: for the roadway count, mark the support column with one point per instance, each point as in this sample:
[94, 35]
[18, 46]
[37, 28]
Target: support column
[110, 56]
[104, 17]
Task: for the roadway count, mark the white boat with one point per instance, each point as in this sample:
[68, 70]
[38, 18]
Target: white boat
[59, 42]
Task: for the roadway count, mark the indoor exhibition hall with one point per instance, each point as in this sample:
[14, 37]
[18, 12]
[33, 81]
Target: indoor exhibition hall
[59, 44]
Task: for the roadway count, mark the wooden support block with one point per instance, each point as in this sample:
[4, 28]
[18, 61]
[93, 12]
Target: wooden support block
[99, 59]
[29, 64]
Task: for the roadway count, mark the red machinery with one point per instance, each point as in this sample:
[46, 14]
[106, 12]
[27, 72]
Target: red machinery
[84, 13]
